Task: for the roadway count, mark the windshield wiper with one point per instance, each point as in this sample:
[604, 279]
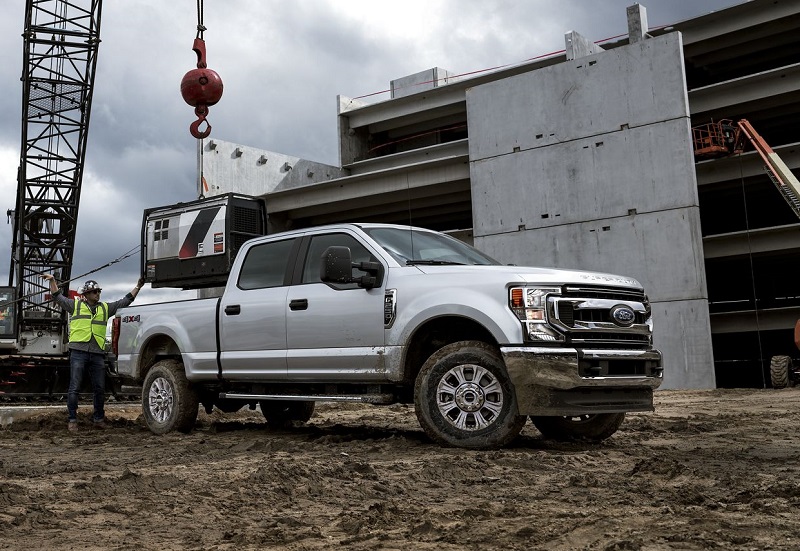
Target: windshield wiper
[433, 263]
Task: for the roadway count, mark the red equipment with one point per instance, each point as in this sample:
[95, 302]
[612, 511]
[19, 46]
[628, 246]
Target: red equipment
[718, 139]
[201, 88]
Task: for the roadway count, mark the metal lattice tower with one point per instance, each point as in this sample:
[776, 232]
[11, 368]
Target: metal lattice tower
[59, 59]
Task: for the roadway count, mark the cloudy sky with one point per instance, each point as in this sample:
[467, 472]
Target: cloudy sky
[283, 64]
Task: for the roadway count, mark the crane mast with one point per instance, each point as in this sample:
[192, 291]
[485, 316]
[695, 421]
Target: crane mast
[61, 39]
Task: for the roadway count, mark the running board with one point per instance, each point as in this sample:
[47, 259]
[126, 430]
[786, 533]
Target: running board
[359, 398]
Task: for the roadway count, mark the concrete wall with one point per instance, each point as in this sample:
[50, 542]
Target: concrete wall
[230, 167]
[419, 82]
[588, 164]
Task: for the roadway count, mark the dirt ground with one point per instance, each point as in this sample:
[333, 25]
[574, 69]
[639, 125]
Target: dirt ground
[708, 470]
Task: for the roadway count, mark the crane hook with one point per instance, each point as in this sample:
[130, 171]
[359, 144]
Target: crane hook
[201, 88]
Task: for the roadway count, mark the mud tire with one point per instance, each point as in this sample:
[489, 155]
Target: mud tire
[779, 368]
[281, 414]
[464, 398]
[168, 401]
[593, 428]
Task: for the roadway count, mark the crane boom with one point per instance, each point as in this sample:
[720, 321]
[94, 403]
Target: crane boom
[61, 39]
[60, 43]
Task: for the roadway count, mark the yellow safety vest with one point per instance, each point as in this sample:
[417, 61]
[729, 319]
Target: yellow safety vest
[83, 325]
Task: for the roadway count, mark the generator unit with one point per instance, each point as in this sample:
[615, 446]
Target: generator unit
[192, 245]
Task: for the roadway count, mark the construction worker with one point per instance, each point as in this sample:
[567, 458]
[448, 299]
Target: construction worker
[87, 340]
[5, 318]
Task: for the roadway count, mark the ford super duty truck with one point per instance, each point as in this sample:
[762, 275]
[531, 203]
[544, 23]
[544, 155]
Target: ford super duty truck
[386, 314]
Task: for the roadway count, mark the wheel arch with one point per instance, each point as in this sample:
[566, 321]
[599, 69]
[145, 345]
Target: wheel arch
[156, 348]
[438, 332]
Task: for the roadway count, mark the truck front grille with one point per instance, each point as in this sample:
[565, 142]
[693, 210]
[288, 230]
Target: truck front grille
[583, 315]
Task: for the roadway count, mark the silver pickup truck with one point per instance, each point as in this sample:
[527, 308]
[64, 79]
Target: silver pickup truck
[386, 314]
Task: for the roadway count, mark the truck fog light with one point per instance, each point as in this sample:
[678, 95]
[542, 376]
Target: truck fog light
[543, 333]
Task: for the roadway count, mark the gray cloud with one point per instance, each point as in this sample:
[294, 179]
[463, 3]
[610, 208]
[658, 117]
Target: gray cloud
[283, 63]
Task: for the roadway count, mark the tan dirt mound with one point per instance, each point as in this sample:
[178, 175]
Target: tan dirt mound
[708, 470]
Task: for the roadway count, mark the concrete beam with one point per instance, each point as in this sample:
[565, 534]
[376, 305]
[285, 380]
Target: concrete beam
[410, 108]
[779, 238]
[438, 98]
[763, 320]
[325, 196]
[381, 204]
[758, 87]
[709, 32]
[396, 207]
[458, 148]
[745, 165]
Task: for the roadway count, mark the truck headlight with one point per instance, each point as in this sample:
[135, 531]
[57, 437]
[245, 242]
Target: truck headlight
[529, 304]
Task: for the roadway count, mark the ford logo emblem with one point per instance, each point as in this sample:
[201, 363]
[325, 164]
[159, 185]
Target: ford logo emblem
[623, 315]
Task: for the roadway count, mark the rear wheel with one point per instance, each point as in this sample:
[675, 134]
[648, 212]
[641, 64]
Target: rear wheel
[168, 402]
[464, 398]
[284, 413]
[595, 427]
[779, 368]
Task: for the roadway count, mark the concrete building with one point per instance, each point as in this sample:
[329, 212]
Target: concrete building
[584, 159]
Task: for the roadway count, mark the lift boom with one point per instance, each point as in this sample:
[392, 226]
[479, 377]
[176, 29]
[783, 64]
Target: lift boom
[725, 137]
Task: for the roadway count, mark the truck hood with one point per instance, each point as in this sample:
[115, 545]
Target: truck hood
[530, 274]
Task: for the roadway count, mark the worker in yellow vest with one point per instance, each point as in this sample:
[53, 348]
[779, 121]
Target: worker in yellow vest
[87, 342]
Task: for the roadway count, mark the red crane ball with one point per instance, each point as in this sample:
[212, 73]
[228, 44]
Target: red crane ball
[201, 87]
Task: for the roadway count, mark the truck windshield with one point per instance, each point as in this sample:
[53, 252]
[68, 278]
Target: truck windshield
[409, 247]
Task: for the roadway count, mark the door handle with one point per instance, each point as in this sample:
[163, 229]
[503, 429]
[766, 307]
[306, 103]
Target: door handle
[298, 304]
[233, 309]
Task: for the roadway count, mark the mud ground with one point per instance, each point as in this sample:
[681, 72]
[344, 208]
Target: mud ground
[708, 470]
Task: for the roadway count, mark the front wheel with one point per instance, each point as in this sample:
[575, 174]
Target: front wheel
[168, 402]
[464, 398]
[593, 427]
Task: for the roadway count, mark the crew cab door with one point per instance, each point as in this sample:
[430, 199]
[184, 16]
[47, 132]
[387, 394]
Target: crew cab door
[334, 332]
[253, 313]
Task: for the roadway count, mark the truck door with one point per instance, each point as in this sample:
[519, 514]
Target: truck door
[334, 332]
[253, 313]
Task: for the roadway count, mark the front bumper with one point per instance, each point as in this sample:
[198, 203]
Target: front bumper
[568, 381]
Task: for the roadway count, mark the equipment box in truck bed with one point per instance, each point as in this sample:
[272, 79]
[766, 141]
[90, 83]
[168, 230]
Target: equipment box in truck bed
[192, 245]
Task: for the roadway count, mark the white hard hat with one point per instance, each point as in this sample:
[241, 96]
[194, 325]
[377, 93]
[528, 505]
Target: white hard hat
[90, 285]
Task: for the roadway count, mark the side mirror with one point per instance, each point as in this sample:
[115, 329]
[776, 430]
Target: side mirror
[337, 267]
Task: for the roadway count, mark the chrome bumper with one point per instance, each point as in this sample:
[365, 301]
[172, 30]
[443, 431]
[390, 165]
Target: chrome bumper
[568, 381]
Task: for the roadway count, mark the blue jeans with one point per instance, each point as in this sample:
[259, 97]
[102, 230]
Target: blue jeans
[79, 363]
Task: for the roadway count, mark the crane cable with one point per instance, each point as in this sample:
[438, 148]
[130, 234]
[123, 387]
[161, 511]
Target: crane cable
[752, 275]
[200, 26]
[120, 258]
[201, 180]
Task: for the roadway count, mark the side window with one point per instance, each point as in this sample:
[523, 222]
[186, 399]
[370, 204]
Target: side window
[265, 265]
[321, 242]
